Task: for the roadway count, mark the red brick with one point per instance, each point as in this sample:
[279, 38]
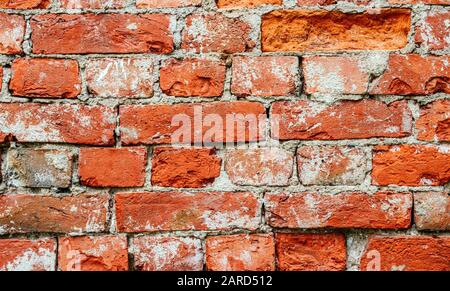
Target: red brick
[308, 120]
[321, 30]
[93, 253]
[341, 75]
[93, 4]
[168, 211]
[39, 168]
[57, 123]
[434, 32]
[432, 210]
[438, 2]
[11, 34]
[233, 4]
[159, 127]
[411, 165]
[383, 210]
[27, 255]
[254, 252]
[216, 33]
[434, 122]
[184, 168]
[24, 4]
[167, 3]
[330, 2]
[157, 253]
[311, 252]
[1, 79]
[112, 167]
[331, 165]
[120, 77]
[40, 78]
[264, 76]
[407, 253]
[193, 77]
[414, 75]
[258, 167]
[114, 33]
[41, 213]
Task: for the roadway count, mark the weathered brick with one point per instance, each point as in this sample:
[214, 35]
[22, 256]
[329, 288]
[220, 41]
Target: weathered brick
[411, 165]
[414, 75]
[24, 4]
[216, 33]
[406, 253]
[193, 77]
[120, 77]
[166, 211]
[39, 168]
[93, 253]
[93, 4]
[114, 33]
[309, 120]
[331, 165]
[321, 30]
[383, 210]
[112, 167]
[341, 75]
[58, 123]
[264, 76]
[432, 210]
[27, 255]
[258, 167]
[157, 253]
[233, 4]
[311, 252]
[52, 78]
[434, 33]
[42, 213]
[242, 252]
[167, 3]
[438, 2]
[11, 34]
[161, 123]
[330, 2]
[184, 168]
[434, 122]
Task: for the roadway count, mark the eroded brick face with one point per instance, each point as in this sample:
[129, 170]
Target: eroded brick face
[237, 135]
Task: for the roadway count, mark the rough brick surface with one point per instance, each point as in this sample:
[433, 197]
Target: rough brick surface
[424, 253]
[107, 167]
[24, 4]
[113, 33]
[120, 77]
[92, 4]
[434, 34]
[309, 120]
[331, 165]
[12, 33]
[311, 252]
[184, 168]
[38, 168]
[149, 212]
[57, 123]
[37, 213]
[93, 253]
[193, 77]
[411, 165]
[432, 210]
[45, 78]
[253, 252]
[321, 30]
[434, 121]
[264, 76]
[265, 166]
[233, 4]
[27, 255]
[167, 253]
[382, 210]
[167, 3]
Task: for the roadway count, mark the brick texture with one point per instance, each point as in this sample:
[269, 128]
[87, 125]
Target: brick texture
[224, 135]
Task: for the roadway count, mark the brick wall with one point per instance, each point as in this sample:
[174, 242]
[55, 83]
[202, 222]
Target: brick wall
[349, 168]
